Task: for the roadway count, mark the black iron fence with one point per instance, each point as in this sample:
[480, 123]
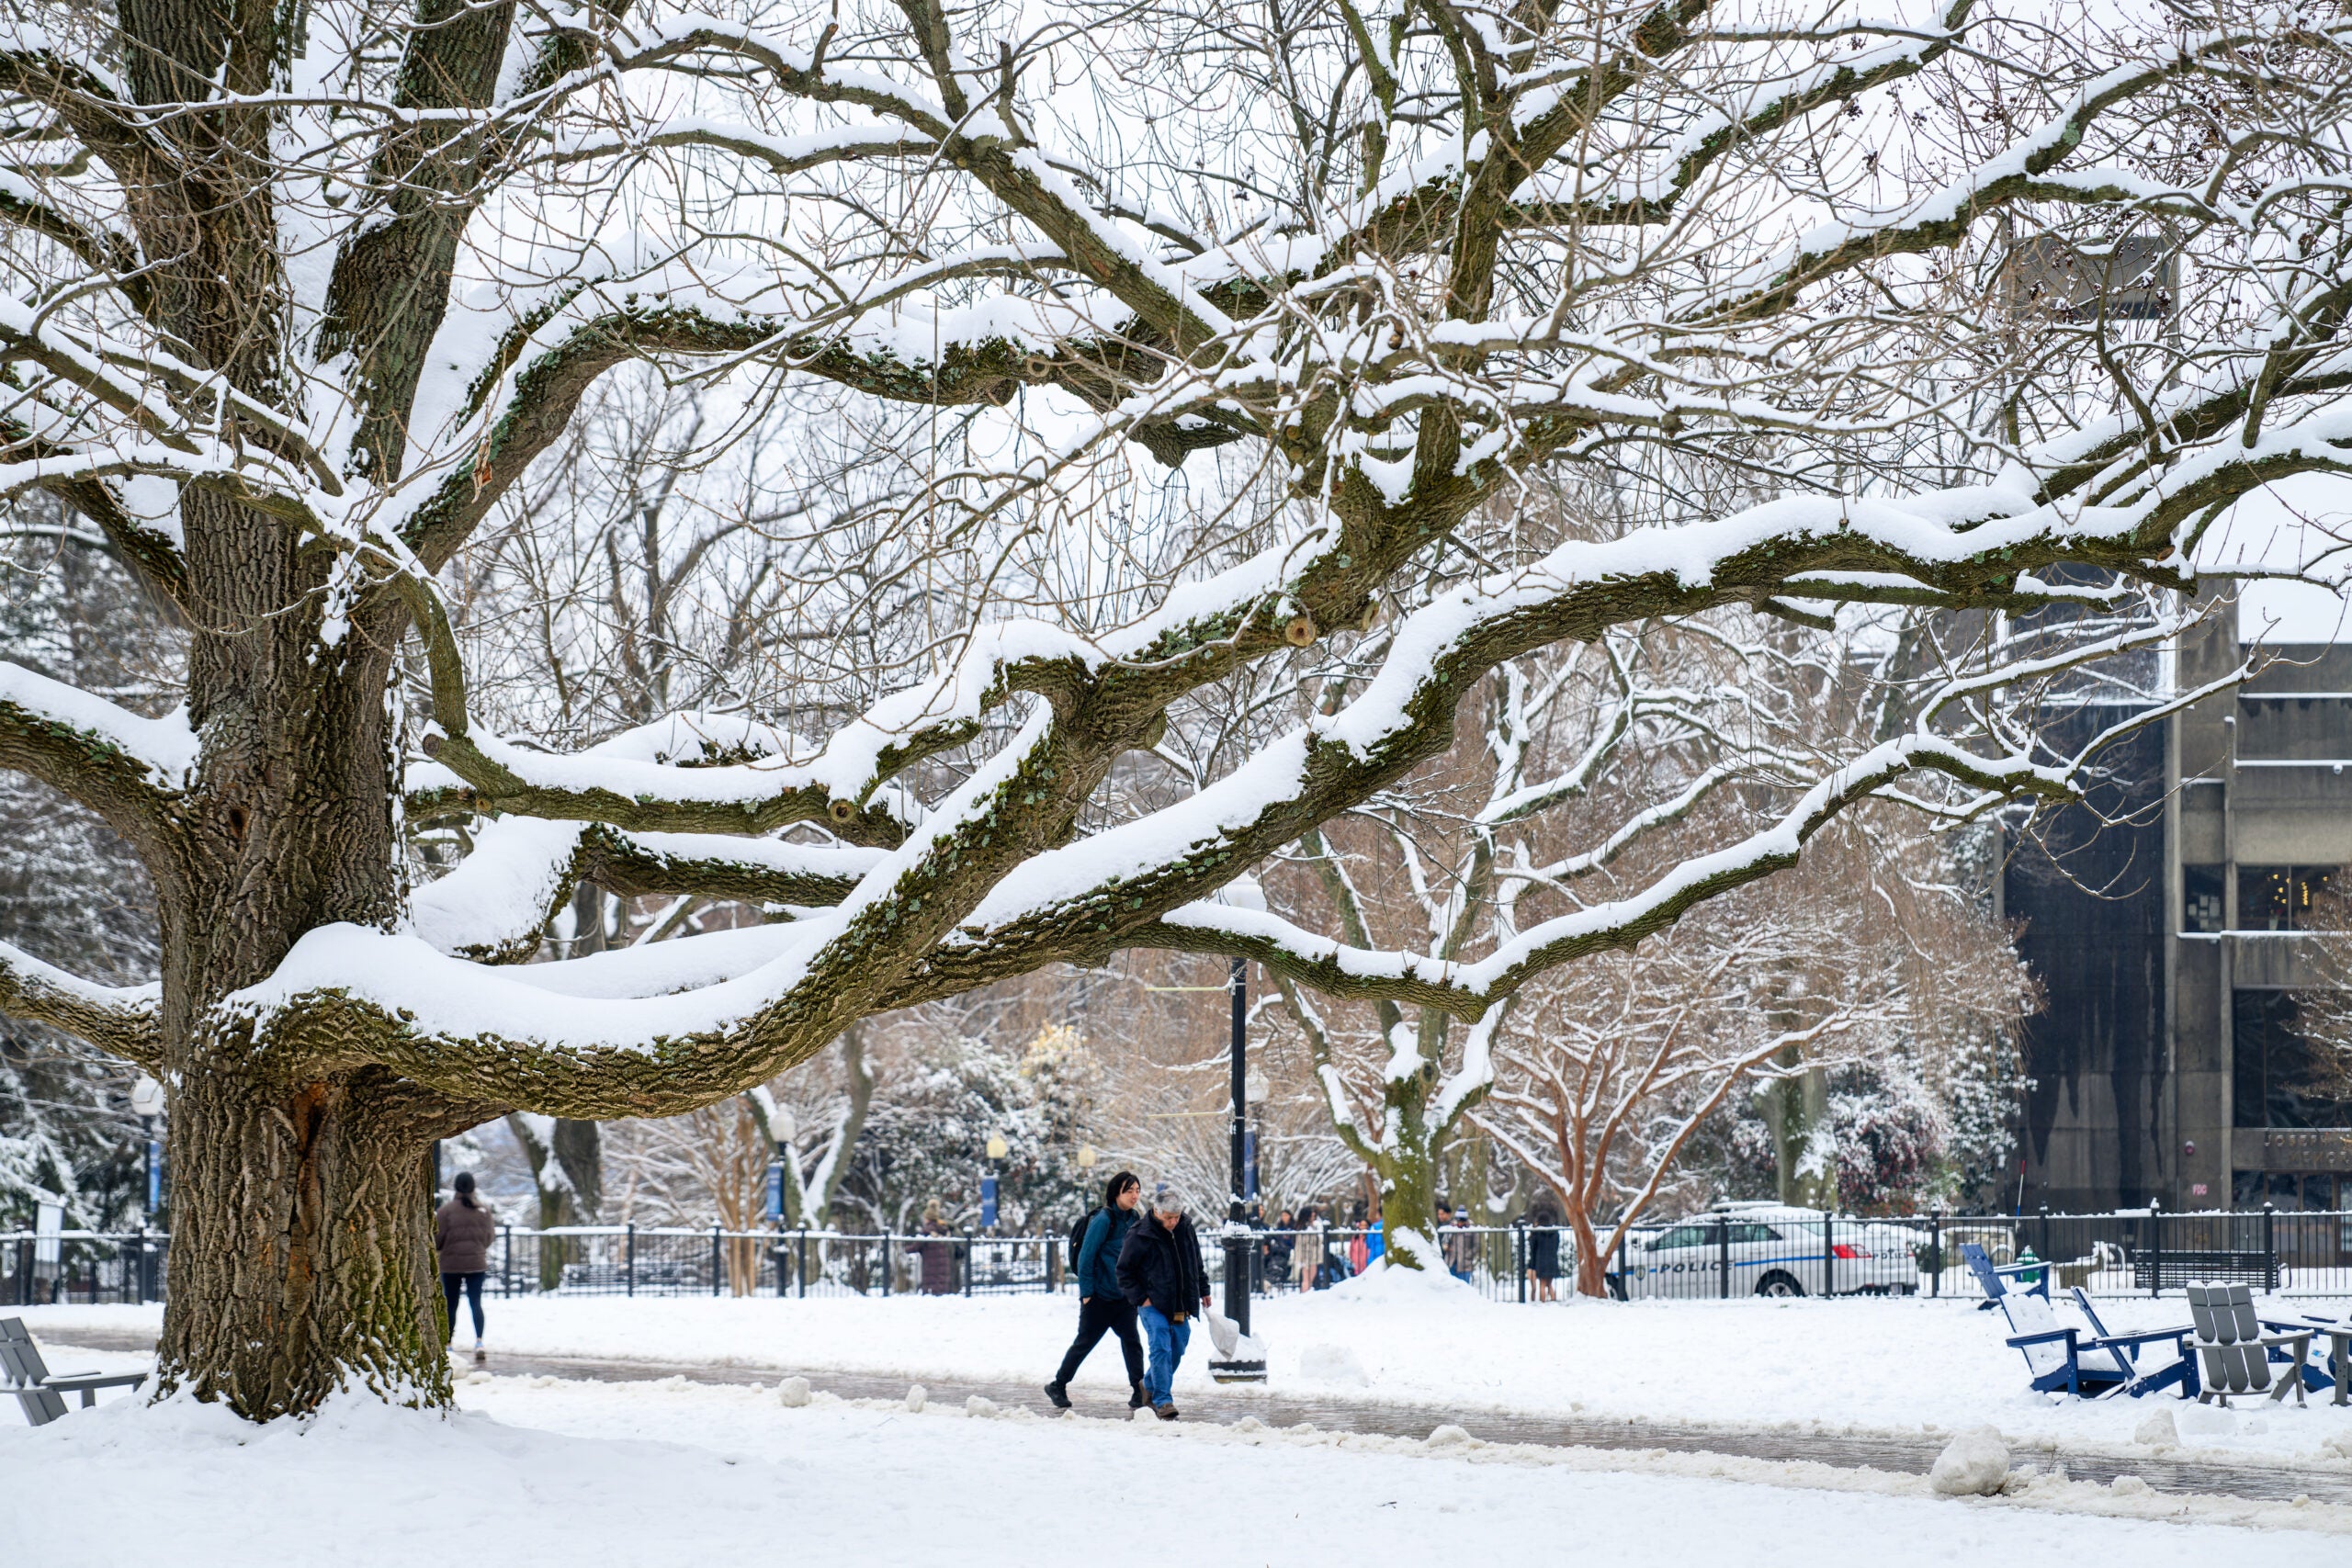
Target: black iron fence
[1739, 1251]
[89, 1267]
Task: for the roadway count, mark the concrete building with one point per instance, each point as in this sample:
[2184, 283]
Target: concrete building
[2170, 1064]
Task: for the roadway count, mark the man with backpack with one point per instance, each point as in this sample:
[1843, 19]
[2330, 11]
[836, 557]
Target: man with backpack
[1163, 1273]
[1102, 1307]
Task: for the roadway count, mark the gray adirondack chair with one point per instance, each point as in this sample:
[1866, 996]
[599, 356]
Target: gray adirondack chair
[2237, 1353]
[40, 1392]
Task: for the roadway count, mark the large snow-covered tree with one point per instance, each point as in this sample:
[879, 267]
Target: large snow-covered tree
[296, 292]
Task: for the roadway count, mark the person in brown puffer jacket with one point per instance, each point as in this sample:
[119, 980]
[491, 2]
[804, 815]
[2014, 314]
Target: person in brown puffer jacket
[462, 1229]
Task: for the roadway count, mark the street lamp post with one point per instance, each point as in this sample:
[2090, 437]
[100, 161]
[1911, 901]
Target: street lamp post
[1236, 1240]
[1243, 1367]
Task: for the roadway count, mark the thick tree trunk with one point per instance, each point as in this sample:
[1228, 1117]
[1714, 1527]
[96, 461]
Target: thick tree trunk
[1592, 1268]
[1408, 1176]
[302, 1245]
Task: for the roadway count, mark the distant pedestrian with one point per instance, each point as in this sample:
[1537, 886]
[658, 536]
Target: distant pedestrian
[1102, 1306]
[938, 1256]
[1376, 1242]
[1543, 1251]
[1162, 1272]
[1277, 1248]
[1306, 1254]
[462, 1230]
[1459, 1246]
[1359, 1249]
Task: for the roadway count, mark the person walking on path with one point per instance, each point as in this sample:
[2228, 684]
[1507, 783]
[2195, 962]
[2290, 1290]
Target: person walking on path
[462, 1232]
[1162, 1273]
[1102, 1306]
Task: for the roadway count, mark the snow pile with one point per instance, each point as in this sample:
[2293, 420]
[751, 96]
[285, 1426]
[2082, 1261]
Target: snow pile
[2157, 1430]
[1332, 1363]
[1385, 1283]
[2206, 1421]
[792, 1392]
[1974, 1464]
[917, 1397]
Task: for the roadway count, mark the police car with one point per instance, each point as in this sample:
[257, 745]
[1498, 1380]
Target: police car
[1772, 1249]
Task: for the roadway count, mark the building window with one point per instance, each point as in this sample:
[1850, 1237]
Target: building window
[2200, 896]
[2278, 897]
[2278, 1078]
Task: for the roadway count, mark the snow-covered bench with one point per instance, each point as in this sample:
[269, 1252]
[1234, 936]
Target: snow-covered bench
[40, 1392]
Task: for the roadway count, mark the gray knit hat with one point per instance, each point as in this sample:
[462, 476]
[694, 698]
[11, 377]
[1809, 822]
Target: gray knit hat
[1166, 1199]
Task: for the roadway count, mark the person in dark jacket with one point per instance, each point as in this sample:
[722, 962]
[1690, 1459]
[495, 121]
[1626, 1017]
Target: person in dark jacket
[938, 1254]
[1162, 1273]
[1543, 1251]
[462, 1230]
[1102, 1307]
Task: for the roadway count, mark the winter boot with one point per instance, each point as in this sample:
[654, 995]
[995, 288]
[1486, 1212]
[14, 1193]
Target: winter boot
[1138, 1400]
[482, 1357]
[1058, 1392]
[1165, 1412]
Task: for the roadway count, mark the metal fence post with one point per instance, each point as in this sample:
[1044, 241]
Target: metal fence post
[2270, 1245]
[506, 1260]
[887, 1269]
[1519, 1253]
[800, 1263]
[1936, 1252]
[967, 1260]
[1828, 1255]
[628, 1259]
[2156, 1251]
[1722, 1258]
[717, 1265]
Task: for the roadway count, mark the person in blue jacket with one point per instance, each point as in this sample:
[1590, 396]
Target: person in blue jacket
[1102, 1306]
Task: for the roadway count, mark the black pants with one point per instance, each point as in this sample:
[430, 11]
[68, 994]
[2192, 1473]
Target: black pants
[469, 1283]
[1097, 1316]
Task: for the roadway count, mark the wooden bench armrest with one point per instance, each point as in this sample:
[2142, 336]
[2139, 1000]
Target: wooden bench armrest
[73, 1383]
[2146, 1335]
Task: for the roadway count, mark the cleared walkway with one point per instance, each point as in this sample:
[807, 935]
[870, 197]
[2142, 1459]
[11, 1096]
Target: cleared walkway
[1276, 1407]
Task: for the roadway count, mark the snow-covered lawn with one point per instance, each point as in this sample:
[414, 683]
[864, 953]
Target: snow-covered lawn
[1892, 1365]
[648, 1473]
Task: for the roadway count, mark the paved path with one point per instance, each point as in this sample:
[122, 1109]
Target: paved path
[1276, 1407]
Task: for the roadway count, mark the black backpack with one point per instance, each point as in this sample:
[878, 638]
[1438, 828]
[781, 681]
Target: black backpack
[1078, 1240]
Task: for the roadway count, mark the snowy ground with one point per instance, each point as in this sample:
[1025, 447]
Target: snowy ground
[650, 1473]
[1888, 1365]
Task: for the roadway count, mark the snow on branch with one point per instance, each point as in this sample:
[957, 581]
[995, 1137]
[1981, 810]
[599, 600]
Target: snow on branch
[120, 1019]
[120, 765]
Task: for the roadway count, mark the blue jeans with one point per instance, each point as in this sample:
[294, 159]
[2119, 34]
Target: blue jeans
[1167, 1341]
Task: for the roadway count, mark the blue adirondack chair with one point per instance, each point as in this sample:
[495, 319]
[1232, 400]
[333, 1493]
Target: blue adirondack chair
[2065, 1359]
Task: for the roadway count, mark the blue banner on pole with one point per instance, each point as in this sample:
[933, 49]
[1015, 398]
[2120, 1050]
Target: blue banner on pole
[155, 1175]
[1249, 1165]
[988, 1202]
[776, 1189]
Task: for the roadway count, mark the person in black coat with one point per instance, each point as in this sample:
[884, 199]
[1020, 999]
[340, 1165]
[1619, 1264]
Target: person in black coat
[1102, 1305]
[1162, 1272]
